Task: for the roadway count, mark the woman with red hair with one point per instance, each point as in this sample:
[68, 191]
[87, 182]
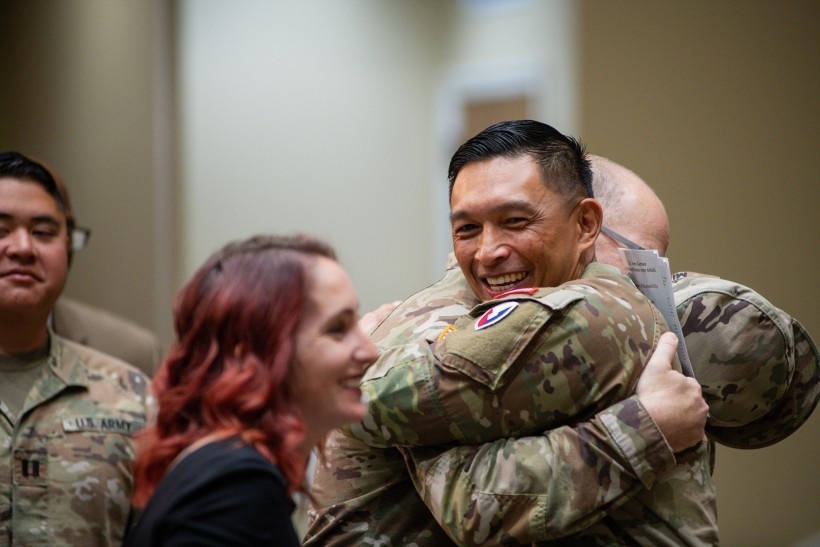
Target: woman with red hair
[268, 359]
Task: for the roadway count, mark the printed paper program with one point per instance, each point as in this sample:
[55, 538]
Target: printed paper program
[650, 273]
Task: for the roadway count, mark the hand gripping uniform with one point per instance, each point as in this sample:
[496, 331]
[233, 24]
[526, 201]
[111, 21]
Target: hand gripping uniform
[65, 464]
[532, 361]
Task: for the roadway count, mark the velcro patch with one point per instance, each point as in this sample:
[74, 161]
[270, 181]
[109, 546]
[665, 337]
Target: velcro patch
[486, 355]
[102, 425]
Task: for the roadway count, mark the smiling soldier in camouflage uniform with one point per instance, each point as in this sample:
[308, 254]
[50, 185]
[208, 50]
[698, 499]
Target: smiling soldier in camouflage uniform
[512, 491]
[68, 413]
[544, 366]
[374, 506]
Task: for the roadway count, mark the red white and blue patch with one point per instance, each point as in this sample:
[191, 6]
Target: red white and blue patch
[495, 315]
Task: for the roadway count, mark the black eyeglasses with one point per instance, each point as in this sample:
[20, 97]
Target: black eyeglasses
[621, 239]
[79, 238]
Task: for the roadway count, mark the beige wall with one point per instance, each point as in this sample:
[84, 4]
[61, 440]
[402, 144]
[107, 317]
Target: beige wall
[322, 117]
[716, 105]
[311, 117]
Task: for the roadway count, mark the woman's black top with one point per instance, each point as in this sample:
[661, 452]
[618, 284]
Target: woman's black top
[224, 493]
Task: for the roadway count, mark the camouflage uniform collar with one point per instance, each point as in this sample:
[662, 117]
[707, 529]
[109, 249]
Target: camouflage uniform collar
[599, 269]
[65, 363]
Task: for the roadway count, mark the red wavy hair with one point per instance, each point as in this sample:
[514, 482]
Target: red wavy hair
[227, 372]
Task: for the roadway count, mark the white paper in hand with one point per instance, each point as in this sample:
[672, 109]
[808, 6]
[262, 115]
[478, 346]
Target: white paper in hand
[650, 273]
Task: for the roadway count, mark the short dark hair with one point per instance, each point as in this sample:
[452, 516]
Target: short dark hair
[16, 165]
[562, 159]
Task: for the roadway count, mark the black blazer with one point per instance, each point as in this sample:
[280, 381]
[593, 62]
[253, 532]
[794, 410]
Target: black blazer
[224, 493]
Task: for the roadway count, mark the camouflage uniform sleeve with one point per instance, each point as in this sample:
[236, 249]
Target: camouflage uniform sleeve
[557, 357]
[516, 490]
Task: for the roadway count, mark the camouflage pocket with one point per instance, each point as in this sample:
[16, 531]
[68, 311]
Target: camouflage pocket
[489, 342]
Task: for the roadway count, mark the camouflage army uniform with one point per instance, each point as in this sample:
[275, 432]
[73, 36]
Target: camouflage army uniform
[758, 366]
[66, 463]
[542, 373]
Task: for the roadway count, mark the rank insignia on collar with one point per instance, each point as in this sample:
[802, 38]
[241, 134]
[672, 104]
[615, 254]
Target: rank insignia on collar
[495, 315]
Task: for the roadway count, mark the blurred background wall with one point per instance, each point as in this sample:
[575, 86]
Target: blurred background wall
[181, 125]
[715, 104]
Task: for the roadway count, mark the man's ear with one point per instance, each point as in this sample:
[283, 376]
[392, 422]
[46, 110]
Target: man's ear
[590, 218]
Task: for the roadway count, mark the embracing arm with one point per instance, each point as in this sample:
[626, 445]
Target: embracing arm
[542, 487]
[558, 357]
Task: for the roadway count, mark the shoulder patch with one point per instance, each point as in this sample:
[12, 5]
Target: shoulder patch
[495, 315]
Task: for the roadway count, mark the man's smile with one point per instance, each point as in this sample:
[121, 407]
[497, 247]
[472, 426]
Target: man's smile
[504, 282]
